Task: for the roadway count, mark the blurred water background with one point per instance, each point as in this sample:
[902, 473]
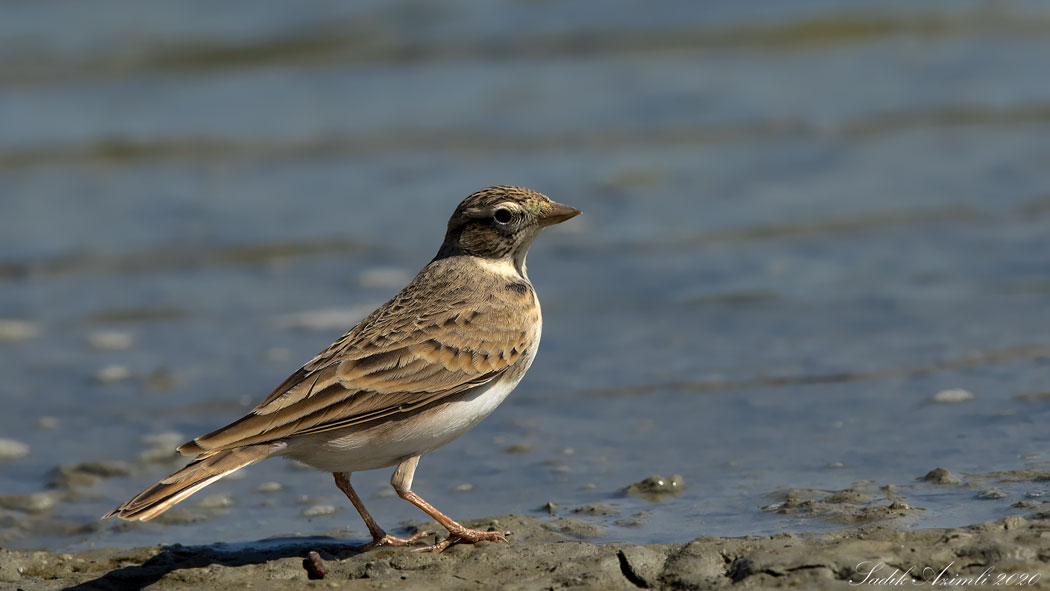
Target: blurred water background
[803, 220]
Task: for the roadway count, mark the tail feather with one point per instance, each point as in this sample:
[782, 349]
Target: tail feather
[201, 472]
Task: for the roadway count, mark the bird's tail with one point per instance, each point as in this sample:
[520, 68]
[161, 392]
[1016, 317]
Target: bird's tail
[204, 470]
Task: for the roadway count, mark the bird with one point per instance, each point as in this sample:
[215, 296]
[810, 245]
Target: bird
[415, 374]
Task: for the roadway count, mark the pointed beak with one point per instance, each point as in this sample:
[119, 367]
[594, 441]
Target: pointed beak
[557, 214]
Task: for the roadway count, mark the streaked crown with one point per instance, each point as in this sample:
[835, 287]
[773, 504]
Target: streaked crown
[502, 221]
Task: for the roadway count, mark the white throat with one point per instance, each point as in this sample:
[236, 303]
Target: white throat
[508, 267]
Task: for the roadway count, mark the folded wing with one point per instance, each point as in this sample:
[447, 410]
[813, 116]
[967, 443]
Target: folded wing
[361, 379]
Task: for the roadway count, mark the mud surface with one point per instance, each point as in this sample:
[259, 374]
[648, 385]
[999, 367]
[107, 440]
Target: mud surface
[1009, 552]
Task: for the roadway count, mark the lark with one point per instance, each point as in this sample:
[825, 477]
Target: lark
[414, 375]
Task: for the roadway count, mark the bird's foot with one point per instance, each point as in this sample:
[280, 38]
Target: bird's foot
[388, 540]
[466, 535]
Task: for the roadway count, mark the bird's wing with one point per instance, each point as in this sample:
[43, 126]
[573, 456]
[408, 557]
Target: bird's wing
[393, 362]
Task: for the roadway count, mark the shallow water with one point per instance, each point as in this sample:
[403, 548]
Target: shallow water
[801, 222]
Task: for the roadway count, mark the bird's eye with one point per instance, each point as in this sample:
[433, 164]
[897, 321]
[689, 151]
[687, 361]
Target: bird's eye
[502, 216]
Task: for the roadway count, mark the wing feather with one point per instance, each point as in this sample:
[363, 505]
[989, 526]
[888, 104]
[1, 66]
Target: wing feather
[420, 347]
[351, 392]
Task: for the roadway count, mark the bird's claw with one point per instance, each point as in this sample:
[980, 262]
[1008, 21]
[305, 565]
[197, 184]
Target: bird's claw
[466, 535]
[389, 540]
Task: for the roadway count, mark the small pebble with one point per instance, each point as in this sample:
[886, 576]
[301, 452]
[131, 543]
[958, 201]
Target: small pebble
[268, 487]
[12, 450]
[991, 494]
[940, 476]
[836, 465]
[465, 487]
[549, 507]
[953, 396]
[112, 373]
[315, 568]
[17, 330]
[110, 340]
[656, 487]
[318, 510]
[520, 448]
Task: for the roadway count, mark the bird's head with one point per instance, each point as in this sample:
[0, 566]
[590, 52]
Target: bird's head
[499, 223]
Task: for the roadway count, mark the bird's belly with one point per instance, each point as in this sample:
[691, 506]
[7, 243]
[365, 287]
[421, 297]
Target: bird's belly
[396, 438]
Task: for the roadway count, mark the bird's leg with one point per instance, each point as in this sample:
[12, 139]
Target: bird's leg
[402, 483]
[379, 537]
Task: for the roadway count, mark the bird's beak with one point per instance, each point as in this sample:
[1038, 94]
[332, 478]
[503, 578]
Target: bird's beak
[557, 214]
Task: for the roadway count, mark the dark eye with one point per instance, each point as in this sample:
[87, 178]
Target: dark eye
[502, 216]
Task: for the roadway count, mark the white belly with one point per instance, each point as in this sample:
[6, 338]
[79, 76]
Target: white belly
[388, 443]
